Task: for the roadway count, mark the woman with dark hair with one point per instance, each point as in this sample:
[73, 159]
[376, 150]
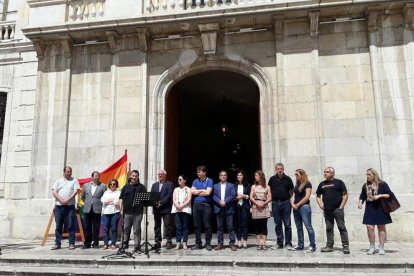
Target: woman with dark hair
[110, 213]
[372, 192]
[181, 210]
[242, 188]
[260, 196]
[302, 211]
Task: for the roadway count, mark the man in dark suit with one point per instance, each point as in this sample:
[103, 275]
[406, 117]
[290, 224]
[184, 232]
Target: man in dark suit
[91, 196]
[224, 196]
[163, 209]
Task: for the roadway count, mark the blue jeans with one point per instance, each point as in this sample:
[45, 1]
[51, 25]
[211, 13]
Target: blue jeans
[202, 215]
[304, 216]
[65, 214]
[182, 220]
[223, 218]
[281, 214]
[243, 215]
[110, 222]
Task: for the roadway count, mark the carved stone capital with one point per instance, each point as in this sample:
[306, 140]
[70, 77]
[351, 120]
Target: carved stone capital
[372, 15]
[67, 45]
[143, 39]
[313, 23]
[39, 46]
[112, 40]
[278, 24]
[209, 37]
[409, 16]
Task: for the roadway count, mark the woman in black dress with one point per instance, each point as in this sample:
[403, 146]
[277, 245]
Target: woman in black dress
[372, 192]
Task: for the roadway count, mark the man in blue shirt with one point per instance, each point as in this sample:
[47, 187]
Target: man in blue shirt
[201, 191]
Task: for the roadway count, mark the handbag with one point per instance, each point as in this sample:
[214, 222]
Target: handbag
[390, 205]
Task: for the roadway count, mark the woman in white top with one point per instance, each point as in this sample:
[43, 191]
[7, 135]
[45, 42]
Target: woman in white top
[110, 213]
[182, 211]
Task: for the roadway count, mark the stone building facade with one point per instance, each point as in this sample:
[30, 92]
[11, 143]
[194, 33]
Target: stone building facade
[332, 82]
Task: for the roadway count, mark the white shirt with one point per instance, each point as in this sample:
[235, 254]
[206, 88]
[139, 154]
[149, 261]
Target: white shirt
[93, 187]
[65, 188]
[108, 209]
[181, 196]
[223, 190]
[161, 183]
[240, 192]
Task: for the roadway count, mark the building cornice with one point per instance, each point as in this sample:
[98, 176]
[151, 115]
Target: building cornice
[41, 3]
[207, 16]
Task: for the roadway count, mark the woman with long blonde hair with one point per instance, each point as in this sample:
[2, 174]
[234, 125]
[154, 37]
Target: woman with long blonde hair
[302, 211]
[373, 191]
[260, 196]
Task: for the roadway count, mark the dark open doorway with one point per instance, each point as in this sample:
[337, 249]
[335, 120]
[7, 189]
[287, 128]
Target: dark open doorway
[212, 119]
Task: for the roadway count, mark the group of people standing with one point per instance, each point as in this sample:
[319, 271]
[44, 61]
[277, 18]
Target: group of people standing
[232, 204]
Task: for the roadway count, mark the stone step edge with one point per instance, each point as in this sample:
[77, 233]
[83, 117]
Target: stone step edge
[364, 264]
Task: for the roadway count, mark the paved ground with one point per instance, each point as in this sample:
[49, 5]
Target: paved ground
[29, 258]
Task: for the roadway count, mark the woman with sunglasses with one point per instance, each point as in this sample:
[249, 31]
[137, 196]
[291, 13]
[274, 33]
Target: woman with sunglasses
[181, 210]
[302, 211]
[110, 213]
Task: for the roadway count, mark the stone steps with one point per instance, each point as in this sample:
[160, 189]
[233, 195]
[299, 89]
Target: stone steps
[256, 264]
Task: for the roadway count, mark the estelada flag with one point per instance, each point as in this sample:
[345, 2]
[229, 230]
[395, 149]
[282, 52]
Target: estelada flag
[118, 170]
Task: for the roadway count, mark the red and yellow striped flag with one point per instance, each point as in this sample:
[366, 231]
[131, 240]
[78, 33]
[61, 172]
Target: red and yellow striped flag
[118, 170]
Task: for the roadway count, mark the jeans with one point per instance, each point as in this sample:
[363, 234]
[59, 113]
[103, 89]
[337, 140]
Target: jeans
[129, 221]
[223, 218]
[281, 214]
[202, 215]
[304, 216]
[93, 223]
[339, 216]
[182, 220]
[242, 222]
[65, 214]
[157, 227]
[110, 222]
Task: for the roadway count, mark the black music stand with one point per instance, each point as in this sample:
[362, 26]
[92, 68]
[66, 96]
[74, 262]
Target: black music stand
[121, 251]
[146, 199]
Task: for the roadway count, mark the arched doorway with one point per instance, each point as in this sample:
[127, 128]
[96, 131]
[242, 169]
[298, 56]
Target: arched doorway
[212, 119]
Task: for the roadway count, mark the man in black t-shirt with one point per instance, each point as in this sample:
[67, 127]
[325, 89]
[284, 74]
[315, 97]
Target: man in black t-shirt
[334, 197]
[281, 186]
[132, 214]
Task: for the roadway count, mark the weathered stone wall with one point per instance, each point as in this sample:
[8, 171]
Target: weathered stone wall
[335, 93]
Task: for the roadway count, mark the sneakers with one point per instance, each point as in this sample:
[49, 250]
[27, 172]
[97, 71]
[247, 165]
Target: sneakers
[371, 251]
[346, 250]
[244, 244]
[197, 246]
[327, 249]
[311, 249]
[289, 247]
[381, 251]
[298, 248]
[208, 247]
[71, 246]
[279, 246]
[55, 247]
